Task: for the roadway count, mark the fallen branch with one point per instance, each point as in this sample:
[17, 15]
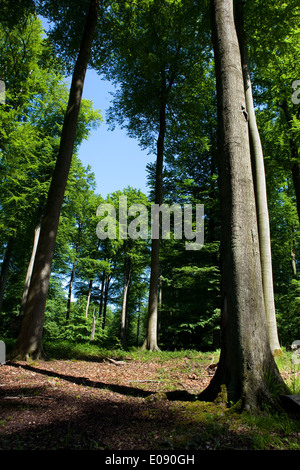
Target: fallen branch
[21, 397]
[129, 381]
[114, 361]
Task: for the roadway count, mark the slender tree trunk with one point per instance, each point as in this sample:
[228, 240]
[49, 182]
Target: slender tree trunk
[160, 293]
[260, 191]
[30, 268]
[88, 298]
[246, 368]
[29, 342]
[138, 324]
[106, 289]
[93, 326]
[124, 305]
[101, 295]
[70, 292]
[5, 270]
[293, 256]
[150, 342]
[72, 277]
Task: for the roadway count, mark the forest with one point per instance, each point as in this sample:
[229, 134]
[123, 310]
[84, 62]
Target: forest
[212, 90]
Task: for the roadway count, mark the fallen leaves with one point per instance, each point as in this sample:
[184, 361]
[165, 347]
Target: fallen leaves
[46, 403]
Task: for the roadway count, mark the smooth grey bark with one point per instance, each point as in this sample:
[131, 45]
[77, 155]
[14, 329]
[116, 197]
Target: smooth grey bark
[126, 285]
[150, 342]
[101, 294]
[72, 277]
[93, 327]
[260, 190]
[30, 268]
[88, 298]
[29, 342]
[293, 256]
[105, 299]
[70, 292]
[246, 367]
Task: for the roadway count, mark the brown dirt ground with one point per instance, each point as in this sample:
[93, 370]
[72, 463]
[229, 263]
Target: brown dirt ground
[105, 405]
[83, 405]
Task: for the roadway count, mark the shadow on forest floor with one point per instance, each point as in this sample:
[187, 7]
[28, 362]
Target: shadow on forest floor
[181, 395]
[67, 407]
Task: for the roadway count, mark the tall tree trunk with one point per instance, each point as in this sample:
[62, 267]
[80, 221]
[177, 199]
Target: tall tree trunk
[93, 326]
[160, 296]
[293, 256]
[150, 342]
[70, 292]
[5, 270]
[72, 277]
[124, 304]
[29, 342]
[138, 324]
[246, 367]
[106, 289]
[30, 268]
[101, 294]
[260, 190]
[88, 298]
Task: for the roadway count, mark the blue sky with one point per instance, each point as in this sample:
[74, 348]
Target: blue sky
[116, 159]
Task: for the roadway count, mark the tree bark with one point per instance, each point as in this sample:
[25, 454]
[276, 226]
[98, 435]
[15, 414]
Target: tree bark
[88, 298]
[93, 327]
[70, 292]
[101, 295]
[138, 324]
[293, 256]
[29, 342]
[246, 368]
[125, 303]
[72, 277]
[150, 342]
[30, 268]
[106, 289]
[260, 191]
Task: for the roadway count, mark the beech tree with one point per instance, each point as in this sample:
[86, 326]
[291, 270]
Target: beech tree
[29, 342]
[260, 188]
[246, 368]
[29, 138]
[154, 48]
[272, 30]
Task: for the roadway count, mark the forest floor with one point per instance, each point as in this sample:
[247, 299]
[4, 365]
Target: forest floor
[126, 404]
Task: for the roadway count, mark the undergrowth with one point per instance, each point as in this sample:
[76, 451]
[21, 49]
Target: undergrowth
[87, 351]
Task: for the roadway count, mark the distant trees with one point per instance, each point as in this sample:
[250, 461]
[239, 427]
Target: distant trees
[153, 54]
